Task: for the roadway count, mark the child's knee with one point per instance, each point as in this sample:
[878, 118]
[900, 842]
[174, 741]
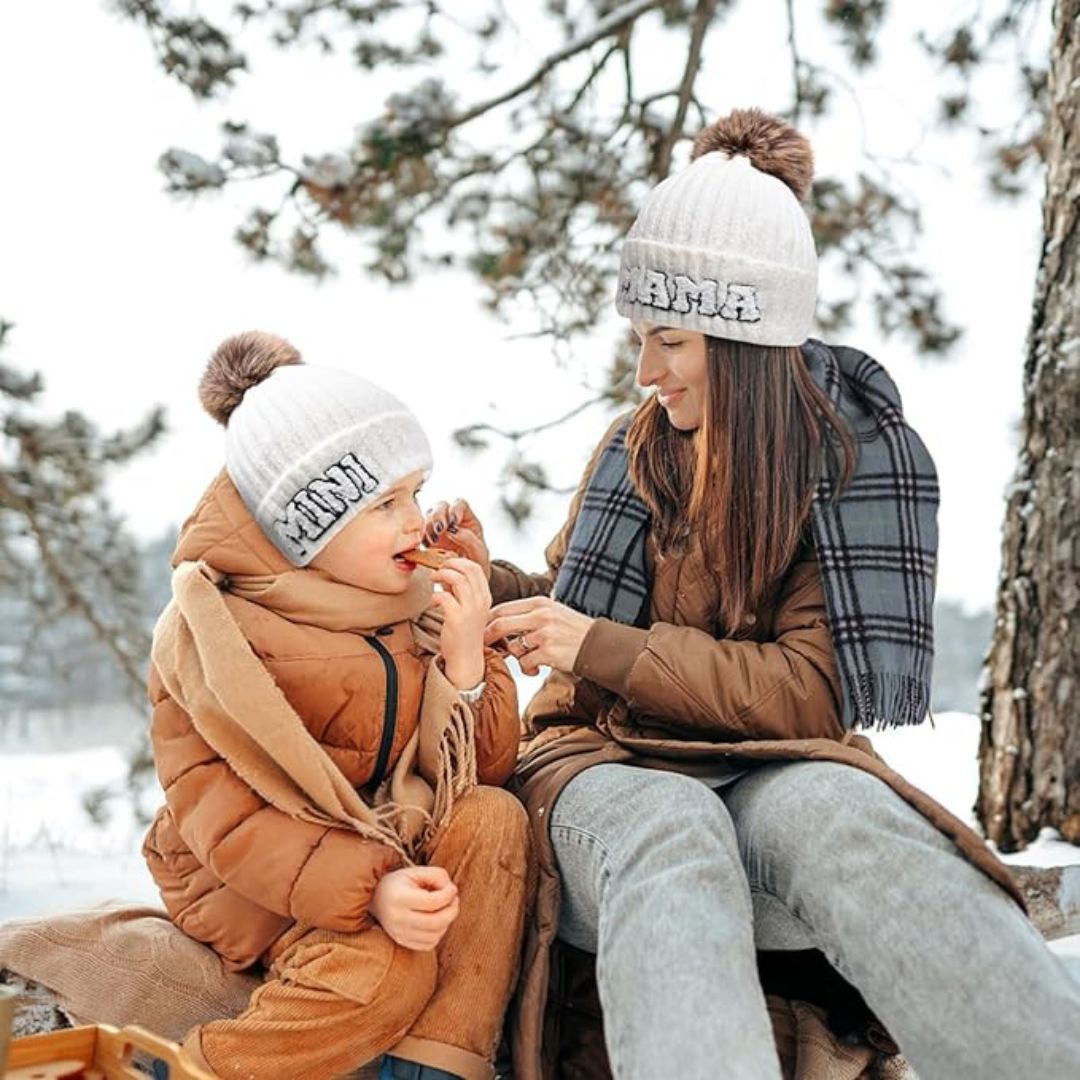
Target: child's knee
[485, 805]
[334, 1002]
[407, 986]
[365, 970]
[495, 814]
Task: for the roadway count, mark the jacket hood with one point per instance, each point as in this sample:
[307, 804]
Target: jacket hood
[222, 532]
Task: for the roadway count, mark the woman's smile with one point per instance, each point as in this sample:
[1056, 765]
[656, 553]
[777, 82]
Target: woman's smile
[668, 397]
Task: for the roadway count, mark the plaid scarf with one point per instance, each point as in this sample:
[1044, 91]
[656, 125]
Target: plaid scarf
[876, 546]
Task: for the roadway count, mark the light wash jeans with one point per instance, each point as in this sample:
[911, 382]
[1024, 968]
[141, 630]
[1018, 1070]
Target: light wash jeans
[662, 878]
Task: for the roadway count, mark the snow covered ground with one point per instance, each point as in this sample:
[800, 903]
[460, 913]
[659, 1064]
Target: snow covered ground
[52, 856]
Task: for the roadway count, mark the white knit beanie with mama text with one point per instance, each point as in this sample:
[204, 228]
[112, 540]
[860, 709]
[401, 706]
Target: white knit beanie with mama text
[724, 247]
[307, 447]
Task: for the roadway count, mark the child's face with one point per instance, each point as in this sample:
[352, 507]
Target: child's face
[362, 554]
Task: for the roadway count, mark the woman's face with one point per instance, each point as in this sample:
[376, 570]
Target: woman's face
[364, 552]
[674, 361]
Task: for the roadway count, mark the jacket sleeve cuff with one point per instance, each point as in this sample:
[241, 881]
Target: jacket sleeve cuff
[607, 654]
[504, 583]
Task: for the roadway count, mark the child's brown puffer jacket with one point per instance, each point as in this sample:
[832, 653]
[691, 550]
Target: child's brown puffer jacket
[235, 872]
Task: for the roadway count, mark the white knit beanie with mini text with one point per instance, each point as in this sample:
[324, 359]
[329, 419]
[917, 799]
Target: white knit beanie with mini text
[307, 447]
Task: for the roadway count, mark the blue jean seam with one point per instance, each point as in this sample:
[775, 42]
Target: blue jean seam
[573, 834]
[574, 831]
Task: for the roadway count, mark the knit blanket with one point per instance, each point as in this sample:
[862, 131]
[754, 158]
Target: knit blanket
[125, 964]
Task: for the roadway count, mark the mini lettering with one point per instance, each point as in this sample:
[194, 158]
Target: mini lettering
[314, 509]
[684, 294]
[317, 506]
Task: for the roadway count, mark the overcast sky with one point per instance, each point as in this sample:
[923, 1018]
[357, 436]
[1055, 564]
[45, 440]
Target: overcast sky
[119, 292]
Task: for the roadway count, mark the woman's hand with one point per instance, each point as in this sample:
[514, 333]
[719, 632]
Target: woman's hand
[539, 631]
[465, 603]
[416, 906]
[455, 527]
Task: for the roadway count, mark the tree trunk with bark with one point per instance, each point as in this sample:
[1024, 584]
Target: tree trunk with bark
[1029, 757]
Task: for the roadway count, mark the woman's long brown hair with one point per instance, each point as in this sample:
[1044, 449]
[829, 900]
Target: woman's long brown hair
[745, 479]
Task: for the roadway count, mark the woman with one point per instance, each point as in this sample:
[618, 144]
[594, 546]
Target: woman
[746, 577]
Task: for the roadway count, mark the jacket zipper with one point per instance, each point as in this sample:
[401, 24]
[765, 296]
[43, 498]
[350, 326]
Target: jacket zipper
[390, 717]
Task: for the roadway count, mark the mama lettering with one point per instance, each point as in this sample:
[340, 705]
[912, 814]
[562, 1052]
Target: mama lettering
[681, 293]
[322, 502]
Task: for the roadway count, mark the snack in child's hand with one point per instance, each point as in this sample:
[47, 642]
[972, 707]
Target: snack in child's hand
[432, 558]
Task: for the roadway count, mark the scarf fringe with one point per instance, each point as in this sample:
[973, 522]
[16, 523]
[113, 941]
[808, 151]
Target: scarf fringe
[457, 776]
[457, 762]
[392, 826]
[886, 699]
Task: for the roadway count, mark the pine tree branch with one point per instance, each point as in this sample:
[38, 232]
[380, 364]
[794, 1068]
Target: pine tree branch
[520, 433]
[706, 9]
[607, 26]
[594, 72]
[796, 63]
[69, 589]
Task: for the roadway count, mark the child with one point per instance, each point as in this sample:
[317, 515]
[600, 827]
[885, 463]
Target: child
[319, 742]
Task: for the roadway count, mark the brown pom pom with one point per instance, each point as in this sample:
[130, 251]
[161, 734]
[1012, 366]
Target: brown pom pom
[772, 145]
[239, 363]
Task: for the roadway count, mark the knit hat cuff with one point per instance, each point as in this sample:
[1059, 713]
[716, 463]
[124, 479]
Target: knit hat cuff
[722, 295]
[310, 503]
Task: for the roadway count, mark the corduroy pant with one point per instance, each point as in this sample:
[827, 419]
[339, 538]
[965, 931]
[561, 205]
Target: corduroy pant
[334, 1001]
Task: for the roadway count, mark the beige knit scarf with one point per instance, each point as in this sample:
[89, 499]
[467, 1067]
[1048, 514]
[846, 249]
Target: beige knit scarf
[211, 672]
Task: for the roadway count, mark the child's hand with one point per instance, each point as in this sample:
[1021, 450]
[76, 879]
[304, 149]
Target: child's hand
[465, 602]
[416, 906]
[456, 528]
